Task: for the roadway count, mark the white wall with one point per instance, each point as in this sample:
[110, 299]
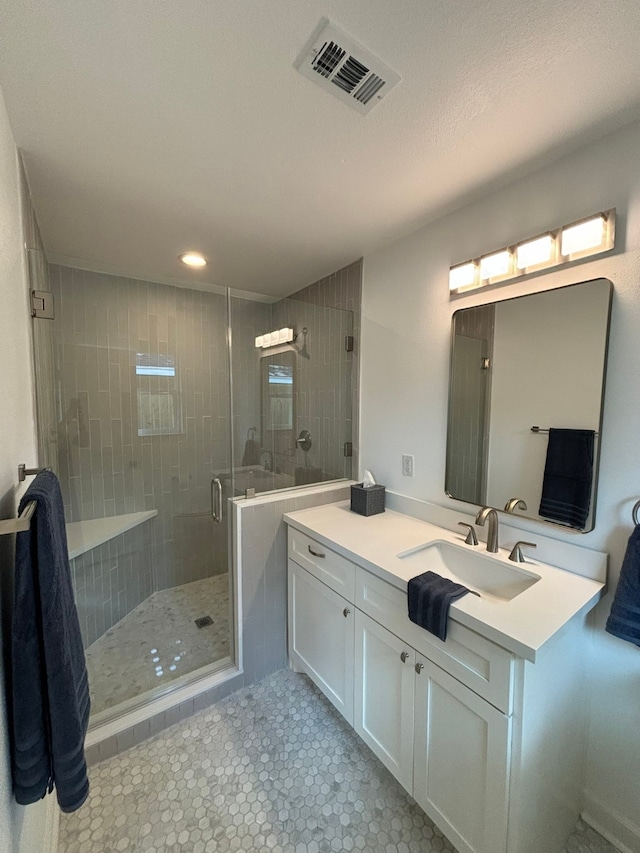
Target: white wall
[17, 444]
[405, 367]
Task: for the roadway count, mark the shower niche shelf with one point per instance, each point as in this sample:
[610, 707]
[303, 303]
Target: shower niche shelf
[83, 536]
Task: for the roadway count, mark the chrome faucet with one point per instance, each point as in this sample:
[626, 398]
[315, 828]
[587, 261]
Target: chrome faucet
[486, 512]
[515, 503]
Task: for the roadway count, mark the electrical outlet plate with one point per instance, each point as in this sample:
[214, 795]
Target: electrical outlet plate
[407, 465]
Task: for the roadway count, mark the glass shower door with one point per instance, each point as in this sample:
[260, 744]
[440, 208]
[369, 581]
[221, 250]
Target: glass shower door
[142, 418]
[292, 402]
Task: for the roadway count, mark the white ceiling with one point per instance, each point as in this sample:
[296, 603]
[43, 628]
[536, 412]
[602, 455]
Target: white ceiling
[154, 126]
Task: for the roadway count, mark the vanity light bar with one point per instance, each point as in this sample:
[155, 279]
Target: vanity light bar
[582, 239]
[274, 339]
[534, 252]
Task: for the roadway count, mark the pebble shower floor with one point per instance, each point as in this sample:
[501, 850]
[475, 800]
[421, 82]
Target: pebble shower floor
[273, 767]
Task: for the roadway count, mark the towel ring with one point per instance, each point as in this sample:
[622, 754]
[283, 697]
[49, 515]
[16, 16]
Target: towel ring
[636, 508]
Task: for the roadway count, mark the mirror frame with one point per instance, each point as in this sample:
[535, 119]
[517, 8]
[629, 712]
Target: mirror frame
[598, 442]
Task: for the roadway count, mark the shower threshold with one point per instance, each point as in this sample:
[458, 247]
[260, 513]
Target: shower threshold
[147, 715]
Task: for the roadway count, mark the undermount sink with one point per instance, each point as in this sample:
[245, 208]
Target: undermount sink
[478, 571]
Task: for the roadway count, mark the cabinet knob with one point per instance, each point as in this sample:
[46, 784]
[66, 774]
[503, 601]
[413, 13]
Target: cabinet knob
[404, 656]
[346, 612]
[419, 668]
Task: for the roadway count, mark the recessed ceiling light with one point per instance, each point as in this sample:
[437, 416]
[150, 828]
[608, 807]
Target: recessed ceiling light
[193, 259]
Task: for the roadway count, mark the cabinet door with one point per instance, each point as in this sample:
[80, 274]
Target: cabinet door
[321, 637]
[383, 698]
[462, 746]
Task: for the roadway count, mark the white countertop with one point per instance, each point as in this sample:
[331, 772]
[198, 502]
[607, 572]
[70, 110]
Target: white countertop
[521, 625]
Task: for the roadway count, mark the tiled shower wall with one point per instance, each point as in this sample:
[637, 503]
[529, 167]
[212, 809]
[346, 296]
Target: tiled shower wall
[106, 467]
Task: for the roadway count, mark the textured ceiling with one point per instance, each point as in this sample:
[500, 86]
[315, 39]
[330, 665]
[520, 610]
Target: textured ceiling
[149, 127]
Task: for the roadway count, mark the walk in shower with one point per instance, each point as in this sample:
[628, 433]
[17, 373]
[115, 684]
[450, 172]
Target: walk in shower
[155, 406]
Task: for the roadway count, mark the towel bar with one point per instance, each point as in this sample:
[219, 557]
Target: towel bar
[24, 472]
[15, 525]
[23, 521]
[541, 429]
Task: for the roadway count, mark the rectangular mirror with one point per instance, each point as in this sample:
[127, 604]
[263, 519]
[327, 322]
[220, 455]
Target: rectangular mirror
[525, 403]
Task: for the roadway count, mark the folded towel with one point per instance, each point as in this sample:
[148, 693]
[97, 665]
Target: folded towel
[624, 619]
[568, 475]
[50, 686]
[429, 597]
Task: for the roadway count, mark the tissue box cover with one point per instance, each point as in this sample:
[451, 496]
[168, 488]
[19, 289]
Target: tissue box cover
[367, 501]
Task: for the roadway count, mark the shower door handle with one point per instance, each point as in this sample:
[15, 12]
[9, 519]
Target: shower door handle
[216, 500]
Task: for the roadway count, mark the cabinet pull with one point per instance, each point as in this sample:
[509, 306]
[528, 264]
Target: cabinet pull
[315, 553]
[419, 668]
[346, 612]
[404, 656]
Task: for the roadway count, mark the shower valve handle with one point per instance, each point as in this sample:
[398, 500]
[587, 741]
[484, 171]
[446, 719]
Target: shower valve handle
[304, 440]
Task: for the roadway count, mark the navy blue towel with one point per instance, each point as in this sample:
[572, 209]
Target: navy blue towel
[624, 619]
[429, 597]
[50, 685]
[568, 475]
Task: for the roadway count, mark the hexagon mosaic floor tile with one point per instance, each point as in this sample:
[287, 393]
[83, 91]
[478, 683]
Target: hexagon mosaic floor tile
[273, 768]
[159, 641]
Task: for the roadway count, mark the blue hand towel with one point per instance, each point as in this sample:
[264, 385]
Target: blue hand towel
[624, 619]
[50, 686]
[568, 475]
[429, 598]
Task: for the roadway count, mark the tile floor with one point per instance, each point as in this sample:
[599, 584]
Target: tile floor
[159, 641]
[273, 767]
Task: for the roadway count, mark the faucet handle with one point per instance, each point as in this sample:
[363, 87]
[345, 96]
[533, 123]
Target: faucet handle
[516, 555]
[471, 539]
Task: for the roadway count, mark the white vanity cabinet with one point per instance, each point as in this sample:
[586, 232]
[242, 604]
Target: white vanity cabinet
[488, 744]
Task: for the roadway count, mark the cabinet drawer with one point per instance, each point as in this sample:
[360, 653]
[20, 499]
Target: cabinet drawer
[338, 574]
[480, 664]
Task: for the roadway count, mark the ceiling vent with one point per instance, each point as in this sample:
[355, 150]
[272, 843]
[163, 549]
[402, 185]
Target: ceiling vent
[346, 69]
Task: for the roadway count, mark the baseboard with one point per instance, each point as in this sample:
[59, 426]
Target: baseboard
[40, 826]
[619, 830]
[53, 824]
